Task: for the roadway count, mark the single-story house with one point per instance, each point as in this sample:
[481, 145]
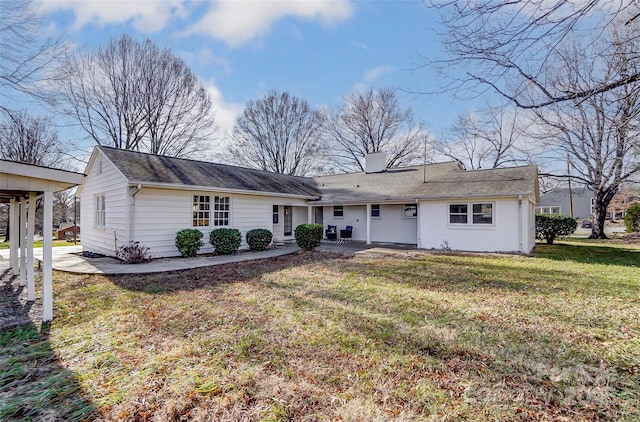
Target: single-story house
[578, 201]
[66, 231]
[133, 196]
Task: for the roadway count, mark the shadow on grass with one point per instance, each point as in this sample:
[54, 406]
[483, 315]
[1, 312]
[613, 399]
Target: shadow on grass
[33, 384]
[589, 253]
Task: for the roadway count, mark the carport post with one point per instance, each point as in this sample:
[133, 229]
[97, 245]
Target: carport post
[31, 220]
[14, 236]
[47, 255]
[368, 224]
[23, 244]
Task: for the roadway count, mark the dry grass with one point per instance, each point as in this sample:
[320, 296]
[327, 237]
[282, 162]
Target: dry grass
[321, 336]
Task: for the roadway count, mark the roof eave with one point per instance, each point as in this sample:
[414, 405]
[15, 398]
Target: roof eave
[180, 186]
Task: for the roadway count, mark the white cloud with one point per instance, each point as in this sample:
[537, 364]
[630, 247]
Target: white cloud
[371, 75]
[147, 16]
[237, 22]
[225, 112]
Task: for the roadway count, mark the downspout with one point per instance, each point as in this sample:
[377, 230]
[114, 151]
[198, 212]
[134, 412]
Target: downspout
[520, 248]
[418, 237]
[132, 224]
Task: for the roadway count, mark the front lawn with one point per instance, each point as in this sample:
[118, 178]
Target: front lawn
[321, 336]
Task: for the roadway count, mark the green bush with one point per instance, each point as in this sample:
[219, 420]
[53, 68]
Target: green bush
[309, 236]
[188, 242]
[259, 239]
[632, 217]
[225, 241]
[550, 226]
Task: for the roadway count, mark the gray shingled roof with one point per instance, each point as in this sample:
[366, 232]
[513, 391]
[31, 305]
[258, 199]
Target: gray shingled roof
[141, 167]
[433, 181]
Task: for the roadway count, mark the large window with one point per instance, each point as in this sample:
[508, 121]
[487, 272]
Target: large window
[481, 213]
[410, 211]
[201, 210]
[338, 211]
[221, 211]
[99, 211]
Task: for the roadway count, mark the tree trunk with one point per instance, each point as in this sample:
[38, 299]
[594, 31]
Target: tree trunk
[601, 201]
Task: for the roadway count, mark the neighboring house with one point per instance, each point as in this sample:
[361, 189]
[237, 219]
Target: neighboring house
[66, 231]
[133, 196]
[558, 201]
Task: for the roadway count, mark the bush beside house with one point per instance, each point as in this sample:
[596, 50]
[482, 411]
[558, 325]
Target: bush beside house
[259, 239]
[550, 226]
[632, 218]
[308, 236]
[225, 241]
[189, 242]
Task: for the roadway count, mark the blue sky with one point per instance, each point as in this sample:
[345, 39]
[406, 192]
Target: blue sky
[317, 50]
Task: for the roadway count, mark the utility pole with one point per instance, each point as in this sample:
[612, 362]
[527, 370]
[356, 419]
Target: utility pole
[570, 194]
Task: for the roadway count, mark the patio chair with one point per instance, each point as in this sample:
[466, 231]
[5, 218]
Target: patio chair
[346, 233]
[331, 233]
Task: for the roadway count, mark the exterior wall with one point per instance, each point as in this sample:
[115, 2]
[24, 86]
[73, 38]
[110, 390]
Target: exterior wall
[157, 230]
[354, 215]
[503, 236]
[299, 216]
[580, 197]
[114, 186]
[391, 226]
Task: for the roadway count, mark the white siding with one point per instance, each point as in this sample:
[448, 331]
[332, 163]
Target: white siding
[392, 226]
[161, 213]
[113, 185]
[503, 236]
[354, 215]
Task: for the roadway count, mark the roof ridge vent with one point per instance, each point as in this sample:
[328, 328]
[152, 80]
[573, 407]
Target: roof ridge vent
[375, 162]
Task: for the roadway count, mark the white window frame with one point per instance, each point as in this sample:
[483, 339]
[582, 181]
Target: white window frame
[339, 208]
[374, 208]
[410, 205]
[99, 211]
[470, 214]
[549, 209]
[221, 211]
[201, 211]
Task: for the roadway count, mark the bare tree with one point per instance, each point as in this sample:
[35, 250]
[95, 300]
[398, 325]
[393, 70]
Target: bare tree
[488, 138]
[136, 96]
[24, 56]
[373, 121]
[599, 133]
[29, 140]
[509, 46]
[279, 133]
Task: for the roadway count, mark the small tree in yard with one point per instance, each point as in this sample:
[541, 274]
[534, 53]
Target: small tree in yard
[548, 227]
[225, 241]
[189, 242]
[308, 236]
[632, 218]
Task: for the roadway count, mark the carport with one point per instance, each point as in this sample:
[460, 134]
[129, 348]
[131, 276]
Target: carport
[20, 186]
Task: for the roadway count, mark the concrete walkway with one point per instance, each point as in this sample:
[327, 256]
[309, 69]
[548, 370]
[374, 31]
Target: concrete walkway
[70, 259]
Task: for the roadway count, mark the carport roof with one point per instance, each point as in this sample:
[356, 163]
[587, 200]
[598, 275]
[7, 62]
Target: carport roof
[18, 178]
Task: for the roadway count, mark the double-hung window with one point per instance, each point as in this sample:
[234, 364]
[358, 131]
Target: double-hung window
[375, 210]
[201, 210]
[221, 208]
[476, 214]
[338, 211]
[410, 211]
[275, 214]
[99, 211]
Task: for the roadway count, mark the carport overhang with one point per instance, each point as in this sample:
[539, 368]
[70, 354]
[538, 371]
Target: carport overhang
[21, 185]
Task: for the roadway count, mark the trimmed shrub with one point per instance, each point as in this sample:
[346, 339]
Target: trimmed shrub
[225, 241]
[632, 218]
[550, 226]
[259, 239]
[189, 242]
[133, 253]
[309, 236]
